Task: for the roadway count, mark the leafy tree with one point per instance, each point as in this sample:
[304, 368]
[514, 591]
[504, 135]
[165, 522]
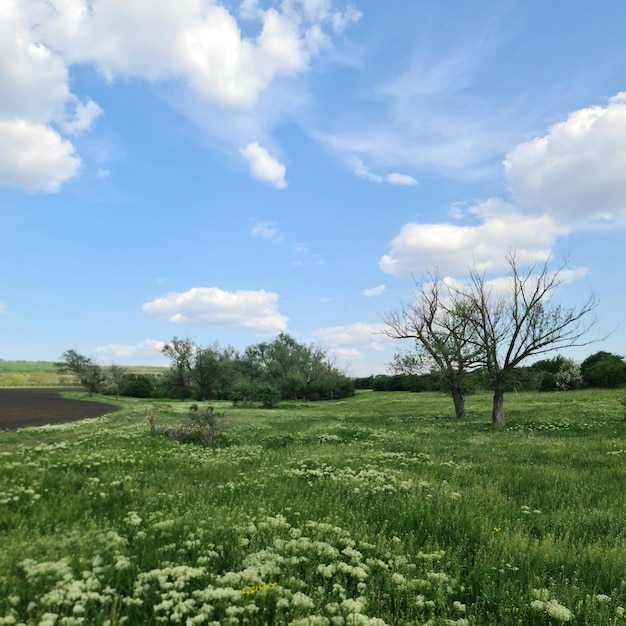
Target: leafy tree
[296, 370]
[603, 369]
[568, 376]
[89, 373]
[552, 365]
[180, 352]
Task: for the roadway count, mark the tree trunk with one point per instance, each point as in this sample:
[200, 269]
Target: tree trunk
[497, 414]
[459, 405]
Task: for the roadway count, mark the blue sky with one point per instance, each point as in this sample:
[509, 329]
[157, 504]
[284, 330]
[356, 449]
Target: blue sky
[231, 170]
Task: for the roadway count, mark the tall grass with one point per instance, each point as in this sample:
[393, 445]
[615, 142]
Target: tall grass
[377, 509]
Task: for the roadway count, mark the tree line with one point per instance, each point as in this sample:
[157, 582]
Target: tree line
[601, 369]
[282, 369]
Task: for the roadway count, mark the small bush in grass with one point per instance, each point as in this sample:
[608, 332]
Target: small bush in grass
[204, 426]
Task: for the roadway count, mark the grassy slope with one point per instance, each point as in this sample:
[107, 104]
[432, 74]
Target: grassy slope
[45, 374]
[378, 507]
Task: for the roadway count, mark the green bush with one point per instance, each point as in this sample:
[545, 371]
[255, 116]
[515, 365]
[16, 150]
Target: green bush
[267, 395]
[603, 369]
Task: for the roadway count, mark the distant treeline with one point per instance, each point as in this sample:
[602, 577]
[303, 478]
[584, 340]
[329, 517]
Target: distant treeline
[601, 369]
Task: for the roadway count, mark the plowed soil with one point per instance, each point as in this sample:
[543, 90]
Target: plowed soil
[36, 407]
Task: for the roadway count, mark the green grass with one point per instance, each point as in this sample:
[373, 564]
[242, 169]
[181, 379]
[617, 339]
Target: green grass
[45, 374]
[378, 509]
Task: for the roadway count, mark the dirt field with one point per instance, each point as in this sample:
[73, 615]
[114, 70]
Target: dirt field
[36, 407]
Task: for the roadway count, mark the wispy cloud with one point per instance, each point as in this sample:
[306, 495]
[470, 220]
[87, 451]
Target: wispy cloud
[374, 291]
[268, 231]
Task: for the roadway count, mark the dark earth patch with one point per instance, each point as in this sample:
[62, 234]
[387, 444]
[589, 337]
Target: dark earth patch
[37, 407]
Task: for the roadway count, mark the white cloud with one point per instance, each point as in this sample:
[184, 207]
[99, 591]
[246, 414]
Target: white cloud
[267, 230]
[33, 95]
[147, 352]
[400, 179]
[3, 307]
[571, 177]
[197, 44]
[360, 336]
[199, 41]
[359, 342]
[419, 248]
[84, 117]
[102, 172]
[263, 166]
[362, 171]
[575, 172]
[374, 291]
[35, 157]
[253, 310]
[33, 79]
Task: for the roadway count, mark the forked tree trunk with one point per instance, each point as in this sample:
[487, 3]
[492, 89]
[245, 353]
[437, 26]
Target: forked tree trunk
[497, 414]
[459, 405]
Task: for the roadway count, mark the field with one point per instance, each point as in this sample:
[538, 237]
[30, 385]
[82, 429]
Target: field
[37, 407]
[378, 509]
[45, 374]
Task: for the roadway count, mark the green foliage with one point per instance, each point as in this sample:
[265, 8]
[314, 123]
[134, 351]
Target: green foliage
[295, 370]
[569, 376]
[91, 375]
[267, 395]
[376, 509]
[137, 386]
[603, 369]
[552, 365]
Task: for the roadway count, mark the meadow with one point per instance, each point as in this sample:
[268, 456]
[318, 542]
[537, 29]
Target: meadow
[377, 509]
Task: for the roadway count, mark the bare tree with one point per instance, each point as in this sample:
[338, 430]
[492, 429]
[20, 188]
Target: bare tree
[511, 324]
[444, 333]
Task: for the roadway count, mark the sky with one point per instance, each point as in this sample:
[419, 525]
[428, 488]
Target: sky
[229, 170]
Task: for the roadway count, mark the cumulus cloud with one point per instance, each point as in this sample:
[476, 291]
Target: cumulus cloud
[571, 177]
[453, 248]
[575, 172]
[146, 352]
[263, 166]
[358, 336]
[196, 44]
[199, 41]
[374, 291]
[35, 157]
[34, 93]
[253, 310]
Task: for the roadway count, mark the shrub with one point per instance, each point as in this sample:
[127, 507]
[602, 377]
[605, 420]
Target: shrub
[603, 369]
[204, 427]
[137, 386]
[267, 395]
